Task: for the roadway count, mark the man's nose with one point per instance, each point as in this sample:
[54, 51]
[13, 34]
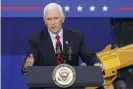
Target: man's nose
[53, 21]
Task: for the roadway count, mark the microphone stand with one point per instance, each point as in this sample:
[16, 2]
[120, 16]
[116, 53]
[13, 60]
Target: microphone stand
[70, 52]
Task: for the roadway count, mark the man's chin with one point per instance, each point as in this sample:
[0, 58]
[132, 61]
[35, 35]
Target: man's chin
[55, 31]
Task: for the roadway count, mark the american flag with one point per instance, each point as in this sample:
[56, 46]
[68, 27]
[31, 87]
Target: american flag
[71, 8]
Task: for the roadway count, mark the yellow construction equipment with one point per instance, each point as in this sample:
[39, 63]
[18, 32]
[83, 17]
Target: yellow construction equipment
[113, 60]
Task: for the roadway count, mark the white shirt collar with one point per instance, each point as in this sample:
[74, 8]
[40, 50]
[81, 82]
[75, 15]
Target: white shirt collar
[52, 35]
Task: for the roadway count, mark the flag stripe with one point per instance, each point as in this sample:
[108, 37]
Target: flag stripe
[124, 8]
[21, 8]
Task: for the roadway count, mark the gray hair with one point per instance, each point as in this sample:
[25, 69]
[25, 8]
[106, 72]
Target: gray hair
[52, 6]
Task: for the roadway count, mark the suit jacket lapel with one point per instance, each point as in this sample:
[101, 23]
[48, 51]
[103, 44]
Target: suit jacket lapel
[65, 42]
[47, 47]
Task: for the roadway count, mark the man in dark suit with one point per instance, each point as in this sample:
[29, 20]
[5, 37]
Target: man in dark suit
[43, 46]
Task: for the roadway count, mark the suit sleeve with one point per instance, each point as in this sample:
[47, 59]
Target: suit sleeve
[32, 50]
[86, 54]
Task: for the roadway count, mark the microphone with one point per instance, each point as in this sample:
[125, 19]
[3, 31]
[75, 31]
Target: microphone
[60, 55]
[70, 52]
[58, 52]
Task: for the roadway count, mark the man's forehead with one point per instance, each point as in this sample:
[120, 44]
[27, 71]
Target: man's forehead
[52, 9]
[53, 12]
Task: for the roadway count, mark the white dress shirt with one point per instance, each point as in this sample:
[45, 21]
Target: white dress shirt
[53, 39]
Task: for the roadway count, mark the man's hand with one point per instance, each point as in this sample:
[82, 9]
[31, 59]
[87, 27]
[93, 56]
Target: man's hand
[100, 65]
[29, 61]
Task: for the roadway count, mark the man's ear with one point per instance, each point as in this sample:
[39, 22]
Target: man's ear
[63, 18]
[44, 19]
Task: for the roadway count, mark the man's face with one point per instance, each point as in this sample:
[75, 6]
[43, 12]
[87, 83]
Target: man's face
[53, 19]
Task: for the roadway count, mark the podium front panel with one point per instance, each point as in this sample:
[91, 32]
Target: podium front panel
[86, 76]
